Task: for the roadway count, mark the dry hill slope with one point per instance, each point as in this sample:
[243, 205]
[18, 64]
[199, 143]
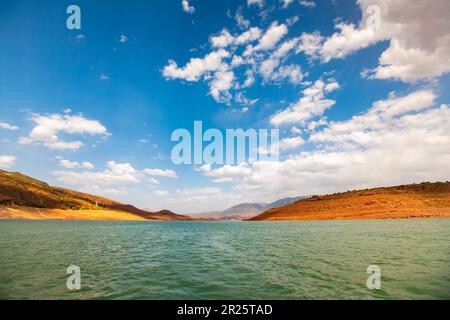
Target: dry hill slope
[425, 200]
[22, 197]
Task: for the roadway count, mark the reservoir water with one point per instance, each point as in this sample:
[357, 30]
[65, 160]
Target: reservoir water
[225, 260]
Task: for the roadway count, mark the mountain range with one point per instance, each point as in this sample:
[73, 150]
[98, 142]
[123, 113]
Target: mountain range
[23, 197]
[246, 210]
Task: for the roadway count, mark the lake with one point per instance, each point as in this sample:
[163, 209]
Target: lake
[225, 260]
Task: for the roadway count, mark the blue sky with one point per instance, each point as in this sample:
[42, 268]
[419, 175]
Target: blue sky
[106, 98]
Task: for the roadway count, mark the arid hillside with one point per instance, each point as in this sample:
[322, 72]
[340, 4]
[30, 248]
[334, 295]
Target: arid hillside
[22, 197]
[425, 200]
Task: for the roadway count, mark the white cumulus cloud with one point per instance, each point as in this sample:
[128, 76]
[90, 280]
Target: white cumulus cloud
[7, 126]
[75, 164]
[255, 2]
[398, 140]
[48, 127]
[313, 103]
[114, 174]
[197, 67]
[187, 7]
[291, 143]
[418, 36]
[308, 3]
[160, 173]
[7, 162]
[272, 36]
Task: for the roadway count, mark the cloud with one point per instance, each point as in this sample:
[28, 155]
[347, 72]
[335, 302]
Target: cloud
[226, 173]
[252, 51]
[291, 143]
[197, 67]
[420, 39]
[199, 191]
[219, 86]
[7, 126]
[104, 77]
[160, 173]
[310, 44]
[312, 104]
[249, 80]
[7, 162]
[116, 177]
[197, 195]
[123, 38]
[385, 115]
[308, 4]
[402, 138]
[49, 127]
[187, 7]
[243, 100]
[237, 61]
[160, 157]
[224, 39]
[250, 35]
[418, 36]
[101, 190]
[286, 3]
[75, 165]
[291, 21]
[114, 174]
[198, 199]
[240, 20]
[219, 82]
[152, 181]
[399, 140]
[160, 193]
[295, 130]
[293, 73]
[349, 39]
[255, 2]
[268, 67]
[272, 36]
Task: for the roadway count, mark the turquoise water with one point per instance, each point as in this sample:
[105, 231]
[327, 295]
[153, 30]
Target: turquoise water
[225, 260]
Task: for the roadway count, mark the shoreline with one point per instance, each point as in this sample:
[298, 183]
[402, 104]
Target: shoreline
[352, 216]
[8, 213]
[39, 214]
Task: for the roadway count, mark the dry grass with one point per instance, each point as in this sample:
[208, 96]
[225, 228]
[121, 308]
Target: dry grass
[426, 200]
[23, 213]
[29, 198]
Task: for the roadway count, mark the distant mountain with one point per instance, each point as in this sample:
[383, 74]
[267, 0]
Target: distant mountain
[425, 200]
[246, 210]
[243, 210]
[283, 202]
[18, 190]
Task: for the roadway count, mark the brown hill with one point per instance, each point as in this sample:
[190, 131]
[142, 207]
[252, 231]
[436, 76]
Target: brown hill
[20, 191]
[425, 200]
